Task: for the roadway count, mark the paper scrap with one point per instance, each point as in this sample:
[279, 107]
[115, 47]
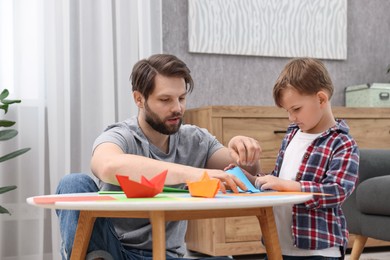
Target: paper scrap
[54, 199]
[236, 171]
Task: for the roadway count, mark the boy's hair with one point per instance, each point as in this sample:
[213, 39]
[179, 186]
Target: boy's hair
[144, 72]
[306, 75]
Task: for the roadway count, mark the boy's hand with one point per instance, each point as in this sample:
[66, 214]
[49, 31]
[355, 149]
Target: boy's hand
[270, 182]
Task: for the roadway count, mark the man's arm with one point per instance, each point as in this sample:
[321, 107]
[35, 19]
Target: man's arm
[108, 160]
[242, 151]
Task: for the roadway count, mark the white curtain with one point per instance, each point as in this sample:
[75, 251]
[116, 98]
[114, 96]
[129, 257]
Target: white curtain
[69, 62]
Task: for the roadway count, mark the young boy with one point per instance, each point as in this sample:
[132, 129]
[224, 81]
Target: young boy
[317, 155]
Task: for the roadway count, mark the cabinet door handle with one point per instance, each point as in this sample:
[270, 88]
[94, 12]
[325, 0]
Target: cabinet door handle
[280, 131]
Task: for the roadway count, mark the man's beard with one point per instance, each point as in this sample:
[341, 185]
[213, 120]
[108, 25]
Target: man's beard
[158, 125]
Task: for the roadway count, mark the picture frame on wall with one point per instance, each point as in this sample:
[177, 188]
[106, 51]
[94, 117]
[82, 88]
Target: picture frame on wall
[278, 28]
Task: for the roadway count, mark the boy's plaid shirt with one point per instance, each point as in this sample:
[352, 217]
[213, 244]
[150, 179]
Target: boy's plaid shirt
[330, 166]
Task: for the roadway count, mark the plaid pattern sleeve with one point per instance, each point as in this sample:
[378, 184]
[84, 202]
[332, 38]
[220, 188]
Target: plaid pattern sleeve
[329, 166]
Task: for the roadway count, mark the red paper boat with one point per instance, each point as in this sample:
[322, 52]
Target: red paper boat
[145, 189]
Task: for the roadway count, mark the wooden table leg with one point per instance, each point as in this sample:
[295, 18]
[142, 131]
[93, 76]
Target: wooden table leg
[157, 219]
[270, 233]
[83, 235]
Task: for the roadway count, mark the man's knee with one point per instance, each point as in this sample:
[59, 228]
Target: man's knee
[76, 183]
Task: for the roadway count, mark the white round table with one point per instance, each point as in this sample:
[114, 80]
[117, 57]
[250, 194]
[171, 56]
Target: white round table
[171, 207]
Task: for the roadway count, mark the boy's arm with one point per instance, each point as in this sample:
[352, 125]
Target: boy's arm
[340, 179]
[270, 182]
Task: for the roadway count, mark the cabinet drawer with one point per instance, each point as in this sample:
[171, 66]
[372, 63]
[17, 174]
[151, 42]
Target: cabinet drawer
[242, 229]
[370, 133]
[267, 165]
[268, 131]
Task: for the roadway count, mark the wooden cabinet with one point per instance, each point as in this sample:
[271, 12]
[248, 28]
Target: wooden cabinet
[237, 236]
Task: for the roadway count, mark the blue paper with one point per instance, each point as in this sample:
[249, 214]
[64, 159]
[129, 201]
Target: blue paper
[236, 171]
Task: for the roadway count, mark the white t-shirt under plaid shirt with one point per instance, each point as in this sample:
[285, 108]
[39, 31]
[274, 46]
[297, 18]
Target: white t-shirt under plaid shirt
[291, 162]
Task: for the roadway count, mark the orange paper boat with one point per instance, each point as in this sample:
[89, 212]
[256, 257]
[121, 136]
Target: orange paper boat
[145, 189]
[206, 187]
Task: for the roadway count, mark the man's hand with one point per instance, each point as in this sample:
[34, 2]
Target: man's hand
[244, 150]
[228, 181]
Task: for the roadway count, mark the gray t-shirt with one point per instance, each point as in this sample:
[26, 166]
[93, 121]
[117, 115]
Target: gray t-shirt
[190, 146]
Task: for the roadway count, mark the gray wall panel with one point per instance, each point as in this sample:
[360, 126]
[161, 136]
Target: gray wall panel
[248, 80]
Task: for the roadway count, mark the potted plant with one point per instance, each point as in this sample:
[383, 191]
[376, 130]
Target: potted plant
[7, 134]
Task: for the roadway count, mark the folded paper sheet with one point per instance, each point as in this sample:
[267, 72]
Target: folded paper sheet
[236, 171]
[145, 189]
[205, 187]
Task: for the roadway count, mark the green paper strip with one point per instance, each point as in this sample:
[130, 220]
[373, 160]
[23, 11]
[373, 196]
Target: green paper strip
[165, 189]
[170, 189]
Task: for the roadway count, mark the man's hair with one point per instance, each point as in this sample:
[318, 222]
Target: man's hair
[306, 75]
[144, 72]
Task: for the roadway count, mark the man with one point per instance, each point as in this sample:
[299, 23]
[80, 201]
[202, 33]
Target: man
[146, 145]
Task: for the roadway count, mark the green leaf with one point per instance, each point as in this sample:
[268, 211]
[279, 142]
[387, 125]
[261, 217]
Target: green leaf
[8, 134]
[4, 94]
[13, 154]
[7, 188]
[6, 123]
[5, 108]
[4, 210]
[10, 101]
[4, 190]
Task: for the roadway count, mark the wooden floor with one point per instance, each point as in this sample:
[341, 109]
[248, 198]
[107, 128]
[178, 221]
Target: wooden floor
[375, 254]
[381, 253]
